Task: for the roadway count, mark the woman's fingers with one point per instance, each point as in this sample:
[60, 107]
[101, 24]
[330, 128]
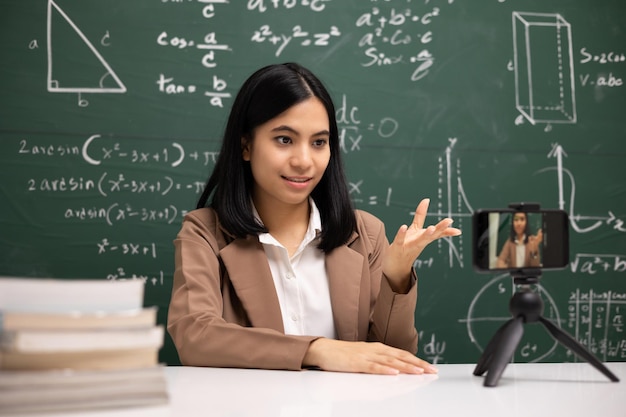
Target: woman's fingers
[364, 357]
[421, 211]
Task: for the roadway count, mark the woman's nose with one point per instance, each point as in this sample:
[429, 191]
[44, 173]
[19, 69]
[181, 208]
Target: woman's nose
[301, 156]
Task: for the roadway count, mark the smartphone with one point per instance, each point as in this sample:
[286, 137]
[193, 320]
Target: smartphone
[514, 239]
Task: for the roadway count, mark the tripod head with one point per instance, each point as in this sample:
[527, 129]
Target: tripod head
[526, 276]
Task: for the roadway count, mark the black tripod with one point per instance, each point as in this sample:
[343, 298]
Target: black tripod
[526, 306]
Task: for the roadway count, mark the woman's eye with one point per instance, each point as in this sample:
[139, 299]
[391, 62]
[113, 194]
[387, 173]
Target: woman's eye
[320, 142]
[283, 140]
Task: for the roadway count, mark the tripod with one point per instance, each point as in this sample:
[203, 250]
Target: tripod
[526, 306]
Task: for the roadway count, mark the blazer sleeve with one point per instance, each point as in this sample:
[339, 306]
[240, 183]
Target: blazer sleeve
[392, 320]
[195, 318]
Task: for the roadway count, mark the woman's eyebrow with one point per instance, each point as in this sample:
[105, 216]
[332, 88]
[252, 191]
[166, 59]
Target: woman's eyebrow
[292, 130]
[284, 127]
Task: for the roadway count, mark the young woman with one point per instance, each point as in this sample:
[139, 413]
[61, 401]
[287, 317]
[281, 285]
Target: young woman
[521, 249]
[275, 269]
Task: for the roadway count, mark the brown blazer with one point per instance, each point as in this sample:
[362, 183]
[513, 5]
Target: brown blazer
[224, 310]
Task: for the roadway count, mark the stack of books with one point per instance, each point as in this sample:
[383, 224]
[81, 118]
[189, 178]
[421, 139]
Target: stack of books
[78, 345]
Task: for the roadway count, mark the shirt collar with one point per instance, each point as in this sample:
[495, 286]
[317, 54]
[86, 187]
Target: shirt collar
[312, 232]
[520, 242]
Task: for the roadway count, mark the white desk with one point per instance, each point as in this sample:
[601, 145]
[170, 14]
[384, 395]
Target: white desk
[537, 390]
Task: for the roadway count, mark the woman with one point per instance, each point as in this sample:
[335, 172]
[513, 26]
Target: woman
[521, 249]
[275, 269]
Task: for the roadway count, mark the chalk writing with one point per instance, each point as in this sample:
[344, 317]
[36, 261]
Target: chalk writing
[610, 57]
[121, 274]
[557, 152]
[64, 22]
[351, 126]
[208, 11]
[423, 263]
[262, 5]
[298, 35]
[206, 157]
[217, 94]
[354, 189]
[109, 184]
[446, 174]
[591, 264]
[116, 213]
[126, 248]
[601, 80]
[528, 350]
[61, 184]
[433, 350]
[397, 37]
[173, 155]
[530, 40]
[211, 46]
[597, 320]
[168, 86]
[57, 150]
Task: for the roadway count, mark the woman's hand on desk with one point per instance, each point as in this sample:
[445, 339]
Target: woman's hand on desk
[363, 357]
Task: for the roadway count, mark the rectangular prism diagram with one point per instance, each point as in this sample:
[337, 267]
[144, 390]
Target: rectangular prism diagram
[544, 68]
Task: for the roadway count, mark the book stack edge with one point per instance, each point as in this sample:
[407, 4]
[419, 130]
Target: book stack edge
[68, 345]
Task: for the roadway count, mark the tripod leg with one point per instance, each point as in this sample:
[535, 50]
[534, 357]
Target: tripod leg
[511, 335]
[485, 359]
[565, 339]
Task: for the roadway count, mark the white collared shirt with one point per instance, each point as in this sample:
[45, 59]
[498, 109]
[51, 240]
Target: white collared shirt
[520, 253]
[302, 282]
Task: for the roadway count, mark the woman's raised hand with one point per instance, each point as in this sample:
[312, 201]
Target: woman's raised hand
[409, 243]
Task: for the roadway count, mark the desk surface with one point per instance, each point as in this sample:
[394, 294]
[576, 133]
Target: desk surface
[573, 389]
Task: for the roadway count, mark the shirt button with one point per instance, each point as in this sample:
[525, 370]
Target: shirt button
[294, 317]
[289, 275]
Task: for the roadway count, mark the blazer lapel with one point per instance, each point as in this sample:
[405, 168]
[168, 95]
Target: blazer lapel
[251, 277]
[344, 267]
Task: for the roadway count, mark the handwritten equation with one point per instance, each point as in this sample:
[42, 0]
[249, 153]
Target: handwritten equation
[396, 34]
[452, 199]
[212, 47]
[297, 35]
[389, 33]
[122, 212]
[596, 320]
[109, 184]
[127, 248]
[592, 264]
[121, 274]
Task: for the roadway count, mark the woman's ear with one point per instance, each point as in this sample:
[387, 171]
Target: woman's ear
[245, 149]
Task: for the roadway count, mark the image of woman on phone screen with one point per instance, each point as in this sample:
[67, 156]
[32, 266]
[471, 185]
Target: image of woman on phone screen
[521, 249]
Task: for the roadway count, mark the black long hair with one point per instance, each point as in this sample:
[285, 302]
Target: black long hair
[267, 93]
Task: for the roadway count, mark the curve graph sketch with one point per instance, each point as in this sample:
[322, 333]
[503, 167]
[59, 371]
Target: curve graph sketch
[481, 325]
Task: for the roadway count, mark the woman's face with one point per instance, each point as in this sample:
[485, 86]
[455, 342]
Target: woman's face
[289, 154]
[519, 223]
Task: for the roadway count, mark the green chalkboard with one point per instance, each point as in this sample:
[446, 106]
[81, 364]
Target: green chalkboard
[111, 114]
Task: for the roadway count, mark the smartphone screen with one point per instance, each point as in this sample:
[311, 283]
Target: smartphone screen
[506, 239]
